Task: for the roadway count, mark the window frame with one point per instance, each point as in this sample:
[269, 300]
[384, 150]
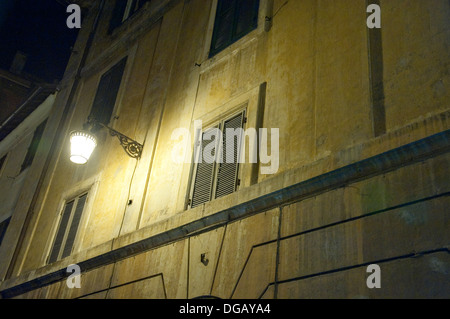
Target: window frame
[75, 200]
[91, 186]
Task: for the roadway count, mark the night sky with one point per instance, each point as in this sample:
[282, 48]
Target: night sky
[37, 28]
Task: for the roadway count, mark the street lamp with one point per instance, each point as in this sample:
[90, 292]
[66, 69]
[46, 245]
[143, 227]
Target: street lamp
[83, 142]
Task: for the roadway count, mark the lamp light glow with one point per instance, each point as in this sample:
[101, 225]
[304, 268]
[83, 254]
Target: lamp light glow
[83, 144]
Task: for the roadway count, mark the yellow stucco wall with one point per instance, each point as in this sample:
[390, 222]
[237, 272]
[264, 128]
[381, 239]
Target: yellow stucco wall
[315, 62]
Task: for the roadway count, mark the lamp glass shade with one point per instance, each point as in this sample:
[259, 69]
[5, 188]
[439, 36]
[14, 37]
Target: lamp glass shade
[82, 144]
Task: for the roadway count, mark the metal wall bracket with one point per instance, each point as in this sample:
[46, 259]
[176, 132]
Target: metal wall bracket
[131, 147]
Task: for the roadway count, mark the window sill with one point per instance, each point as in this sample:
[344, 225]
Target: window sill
[232, 49]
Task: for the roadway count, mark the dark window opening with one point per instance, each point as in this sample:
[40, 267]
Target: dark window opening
[3, 227]
[123, 10]
[105, 98]
[32, 149]
[234, 19]
[2, 161]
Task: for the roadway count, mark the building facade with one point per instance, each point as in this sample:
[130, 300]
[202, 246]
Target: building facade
[25, 104]
[351, 145]
[17, 153]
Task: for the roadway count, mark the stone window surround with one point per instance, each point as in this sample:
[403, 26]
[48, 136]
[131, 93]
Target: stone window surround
[89, 186]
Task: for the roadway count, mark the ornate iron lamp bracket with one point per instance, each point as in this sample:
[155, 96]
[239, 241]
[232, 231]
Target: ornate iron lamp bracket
[131, 147]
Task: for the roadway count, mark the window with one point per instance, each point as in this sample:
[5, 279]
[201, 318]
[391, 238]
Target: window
[107, 90]
[234, 19]
[217, 177]
[123, 10]
[3, 227]
[2, 161]
[69, 224]
[32, 149]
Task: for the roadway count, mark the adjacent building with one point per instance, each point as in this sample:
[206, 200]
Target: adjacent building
[25, 105]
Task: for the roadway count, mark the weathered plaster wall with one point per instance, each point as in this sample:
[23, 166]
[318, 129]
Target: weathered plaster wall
[318, 247]
[416, 37]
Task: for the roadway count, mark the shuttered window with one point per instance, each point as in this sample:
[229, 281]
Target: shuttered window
[204, 175]
[227, 175]
[76, 218]
[234, 19]
[106, 95]
[68, 228]
[219, 178]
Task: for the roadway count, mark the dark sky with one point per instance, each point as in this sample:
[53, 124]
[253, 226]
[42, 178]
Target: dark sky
[37, 28]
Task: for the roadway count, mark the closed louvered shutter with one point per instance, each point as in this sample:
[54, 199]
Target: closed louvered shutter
[106, 95]
[204, 175]
[227, 175]
[74, 226]
[61, 231]
[68, 228]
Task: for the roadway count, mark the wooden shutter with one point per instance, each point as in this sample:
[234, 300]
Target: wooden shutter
[61, 232]
[204, 174]
[223, 25]
[68, 228]
[234, 19]
[107, 90]
[76, 218]
[227, 175]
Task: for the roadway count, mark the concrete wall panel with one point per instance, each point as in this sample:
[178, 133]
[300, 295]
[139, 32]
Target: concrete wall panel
[239, 239]
[421, 277]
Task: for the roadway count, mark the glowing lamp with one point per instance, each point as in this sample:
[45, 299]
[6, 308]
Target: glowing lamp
[82, 144]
